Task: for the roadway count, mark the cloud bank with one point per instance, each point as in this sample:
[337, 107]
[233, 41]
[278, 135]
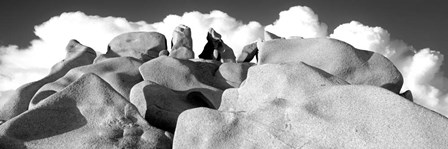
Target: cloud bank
[420, 68]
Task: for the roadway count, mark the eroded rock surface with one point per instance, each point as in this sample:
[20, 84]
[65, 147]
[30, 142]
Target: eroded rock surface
[77, 55]
[335, 57]
[181, 43]
[296, 105]
[120, 72]
[140, 45]
[88, 113]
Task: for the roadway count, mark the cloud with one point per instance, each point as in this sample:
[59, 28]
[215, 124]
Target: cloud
[420, 69]
[20, 66]
[298, 21]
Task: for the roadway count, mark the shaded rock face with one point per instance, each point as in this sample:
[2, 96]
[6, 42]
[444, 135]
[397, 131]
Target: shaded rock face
[296, 105]
[88, 113]
[140, 45]
[335, 57]
[216, 49]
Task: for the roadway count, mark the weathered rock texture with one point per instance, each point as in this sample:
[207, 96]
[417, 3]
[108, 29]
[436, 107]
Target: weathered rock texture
[89, 113]
[77, 55]
[295, 105]
[140, 45]
[182, 44]
[335, 57]
[120, 72]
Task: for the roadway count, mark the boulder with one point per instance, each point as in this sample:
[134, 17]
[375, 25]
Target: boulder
[88, 113]
[161, 106]
[216, 49]
[335, 57]
[295, 105]
[120, 72]
[181, 43]
[140, 45]
[183, 75]
[77, 55]
[248, 53]
[233, 73]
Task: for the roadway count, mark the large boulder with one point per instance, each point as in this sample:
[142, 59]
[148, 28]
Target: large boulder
[120, 72]
[77, 55]
[89, 113]
[140, 45]
[296, 105]
[181, 43]
[161, 106]
[173, 85]
[183, 75]
[335, 57]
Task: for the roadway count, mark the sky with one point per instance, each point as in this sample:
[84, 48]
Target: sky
[412, 33]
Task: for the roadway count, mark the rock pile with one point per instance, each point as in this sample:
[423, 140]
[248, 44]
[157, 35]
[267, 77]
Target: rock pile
[301, 93]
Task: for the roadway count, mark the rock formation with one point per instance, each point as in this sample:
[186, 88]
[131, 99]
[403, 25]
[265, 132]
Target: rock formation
[302, 93]
[216, 49]
[182, 44]
[88, 113]
[295, 105]
[140, 45]
[77, 55]
[335, 57]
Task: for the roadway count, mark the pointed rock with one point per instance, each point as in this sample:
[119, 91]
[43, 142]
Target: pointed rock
[216, 49]
[270, 36]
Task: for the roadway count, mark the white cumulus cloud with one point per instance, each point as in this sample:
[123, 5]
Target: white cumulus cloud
[298, 21]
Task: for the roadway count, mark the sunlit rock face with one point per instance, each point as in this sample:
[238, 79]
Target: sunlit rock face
[301, 93]
[88, 113]
[140, 45]
[335, 57]
[295, 105]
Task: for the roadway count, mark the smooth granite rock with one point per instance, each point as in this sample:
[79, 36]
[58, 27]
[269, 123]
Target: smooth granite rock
[88, 113]
[335, 57]
[295, 105]
[181, 43]
[140, 45]
[120, 72]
